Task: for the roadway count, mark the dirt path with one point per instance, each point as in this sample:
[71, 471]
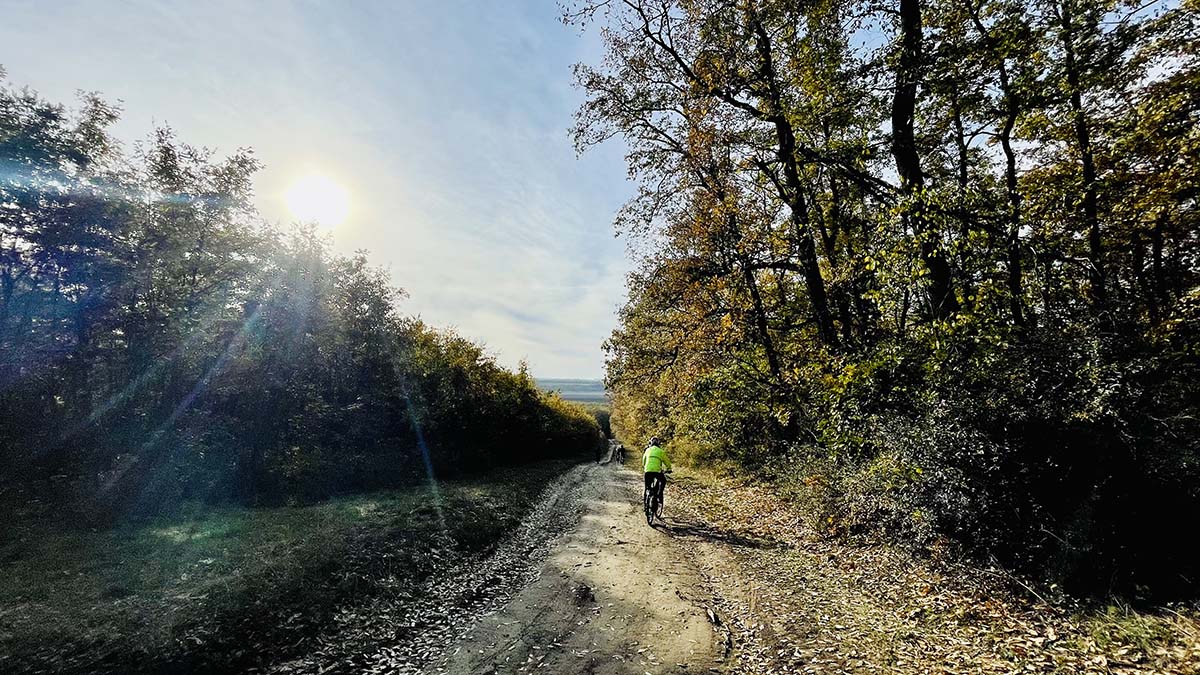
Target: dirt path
[582, 585]
[613, 596]
[729, 583]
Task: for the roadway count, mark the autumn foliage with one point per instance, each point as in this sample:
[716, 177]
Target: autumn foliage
[932, 265]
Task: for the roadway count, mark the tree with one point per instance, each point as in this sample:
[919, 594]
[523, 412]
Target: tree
[944, 253]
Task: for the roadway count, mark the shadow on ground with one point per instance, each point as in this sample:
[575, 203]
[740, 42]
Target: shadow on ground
[693, 529]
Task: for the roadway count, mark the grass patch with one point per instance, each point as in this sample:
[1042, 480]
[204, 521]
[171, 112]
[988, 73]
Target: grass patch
[1166, 634]
[230, 587]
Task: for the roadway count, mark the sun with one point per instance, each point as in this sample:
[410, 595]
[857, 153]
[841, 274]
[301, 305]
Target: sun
[317, 198]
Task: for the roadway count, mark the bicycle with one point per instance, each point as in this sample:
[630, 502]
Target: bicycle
[652, 500]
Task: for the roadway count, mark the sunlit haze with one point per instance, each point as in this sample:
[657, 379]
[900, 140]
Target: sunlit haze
[318, 199]
[445, 123]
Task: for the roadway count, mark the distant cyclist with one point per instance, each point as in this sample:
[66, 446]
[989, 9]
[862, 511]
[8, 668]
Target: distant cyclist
[655, 465]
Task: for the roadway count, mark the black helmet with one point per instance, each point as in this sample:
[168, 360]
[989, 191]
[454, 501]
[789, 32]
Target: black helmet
[654, 440]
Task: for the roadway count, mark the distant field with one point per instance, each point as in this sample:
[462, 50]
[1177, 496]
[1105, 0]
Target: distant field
[583, 391]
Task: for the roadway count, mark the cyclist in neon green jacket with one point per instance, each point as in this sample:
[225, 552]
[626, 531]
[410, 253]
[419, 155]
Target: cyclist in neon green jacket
[654, 464]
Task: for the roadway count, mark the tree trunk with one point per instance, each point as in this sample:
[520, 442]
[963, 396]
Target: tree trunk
[842, 295]
[1158, 290]
[760, 321]
[813, 281]
[786, 152]
[1016, 291]
[1011, 109]
[908, 162]
[1091, 219]
[960, 142]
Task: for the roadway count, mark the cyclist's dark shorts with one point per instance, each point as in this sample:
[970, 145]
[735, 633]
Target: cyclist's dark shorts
[655, 480]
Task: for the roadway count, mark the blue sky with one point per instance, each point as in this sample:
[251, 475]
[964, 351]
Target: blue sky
[446, 121]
